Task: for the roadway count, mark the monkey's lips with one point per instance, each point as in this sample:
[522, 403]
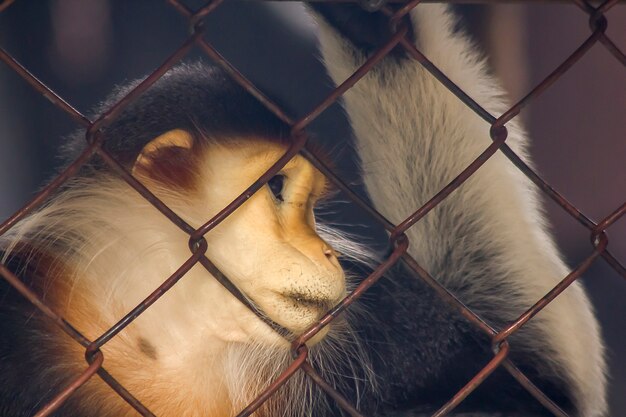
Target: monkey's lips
[299, 311]
[320, 304]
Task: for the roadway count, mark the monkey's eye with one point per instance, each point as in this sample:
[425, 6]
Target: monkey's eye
[276, 184]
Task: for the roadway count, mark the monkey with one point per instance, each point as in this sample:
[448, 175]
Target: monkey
[197, 140]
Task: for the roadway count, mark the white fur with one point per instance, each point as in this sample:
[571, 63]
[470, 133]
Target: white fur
[208, 344]
[413, 137]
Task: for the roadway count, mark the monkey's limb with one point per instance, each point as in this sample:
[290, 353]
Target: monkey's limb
[486, 242]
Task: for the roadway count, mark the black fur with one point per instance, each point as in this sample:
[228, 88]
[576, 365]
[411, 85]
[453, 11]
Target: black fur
[366, 30]
[423, 352]
[192, 97]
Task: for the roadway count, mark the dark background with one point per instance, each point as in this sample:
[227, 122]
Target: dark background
[83, 48]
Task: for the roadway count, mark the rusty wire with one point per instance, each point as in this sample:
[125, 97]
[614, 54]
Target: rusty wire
[398, 240]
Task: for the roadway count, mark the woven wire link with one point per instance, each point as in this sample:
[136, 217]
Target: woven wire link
[399, 242]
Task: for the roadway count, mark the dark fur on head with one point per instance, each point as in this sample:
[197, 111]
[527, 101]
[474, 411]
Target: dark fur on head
[195, 97]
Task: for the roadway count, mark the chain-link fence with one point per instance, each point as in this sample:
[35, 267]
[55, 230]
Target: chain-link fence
[599, 251]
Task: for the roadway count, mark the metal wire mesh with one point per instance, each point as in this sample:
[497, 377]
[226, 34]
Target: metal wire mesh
[398, 241]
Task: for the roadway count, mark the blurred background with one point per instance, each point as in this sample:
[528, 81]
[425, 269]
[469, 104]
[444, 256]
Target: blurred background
[83, 48]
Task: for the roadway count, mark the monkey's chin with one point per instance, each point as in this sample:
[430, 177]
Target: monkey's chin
[299, 313]
[319, 336]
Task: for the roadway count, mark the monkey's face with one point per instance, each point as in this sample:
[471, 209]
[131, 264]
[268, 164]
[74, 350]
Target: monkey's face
[269, 246]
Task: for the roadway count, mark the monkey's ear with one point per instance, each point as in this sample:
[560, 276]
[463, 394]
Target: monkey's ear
[176, 138]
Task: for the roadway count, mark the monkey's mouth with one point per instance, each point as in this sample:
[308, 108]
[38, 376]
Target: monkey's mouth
[319, 304]
[301, 310]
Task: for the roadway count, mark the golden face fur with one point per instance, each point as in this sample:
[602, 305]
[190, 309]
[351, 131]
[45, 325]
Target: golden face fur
[268, 247]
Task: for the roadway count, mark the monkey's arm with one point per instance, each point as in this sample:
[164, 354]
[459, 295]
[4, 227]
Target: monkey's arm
[487, 241]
